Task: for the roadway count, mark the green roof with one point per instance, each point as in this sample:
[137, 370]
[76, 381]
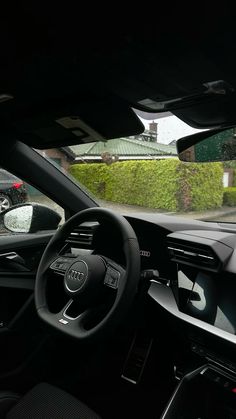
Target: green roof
[123, 147]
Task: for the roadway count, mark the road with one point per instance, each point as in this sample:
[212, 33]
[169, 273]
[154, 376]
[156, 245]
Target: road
[224, 214]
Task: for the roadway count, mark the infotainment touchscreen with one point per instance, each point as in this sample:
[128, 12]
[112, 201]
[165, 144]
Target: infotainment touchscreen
[208, 297]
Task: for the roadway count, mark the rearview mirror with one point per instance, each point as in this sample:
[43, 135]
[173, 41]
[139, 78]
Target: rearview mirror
[208, 146]
[29, 218]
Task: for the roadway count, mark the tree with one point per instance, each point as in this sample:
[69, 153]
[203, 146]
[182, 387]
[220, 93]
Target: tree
[108, 158]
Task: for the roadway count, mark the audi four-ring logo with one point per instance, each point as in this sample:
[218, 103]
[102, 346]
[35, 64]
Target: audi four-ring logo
[76, 275]
[145, 253]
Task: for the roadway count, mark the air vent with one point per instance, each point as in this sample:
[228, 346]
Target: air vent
[82, 236]
[193, 254]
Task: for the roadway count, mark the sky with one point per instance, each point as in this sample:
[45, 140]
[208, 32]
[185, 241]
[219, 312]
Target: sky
[170, 128]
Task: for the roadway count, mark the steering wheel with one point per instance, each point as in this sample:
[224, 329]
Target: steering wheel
[91, 281]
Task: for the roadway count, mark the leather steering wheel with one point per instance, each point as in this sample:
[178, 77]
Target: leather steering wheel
[89, 279]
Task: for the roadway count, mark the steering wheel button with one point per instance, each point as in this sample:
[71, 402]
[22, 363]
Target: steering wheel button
[112, 278]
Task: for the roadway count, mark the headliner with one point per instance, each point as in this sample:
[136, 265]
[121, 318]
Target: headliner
[57, 63]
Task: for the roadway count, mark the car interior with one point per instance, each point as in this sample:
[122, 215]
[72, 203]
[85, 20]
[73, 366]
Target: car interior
[112, 315]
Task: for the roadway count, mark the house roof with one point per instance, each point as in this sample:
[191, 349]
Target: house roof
[124, 147]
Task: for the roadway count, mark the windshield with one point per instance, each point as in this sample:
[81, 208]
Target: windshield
[142, 173]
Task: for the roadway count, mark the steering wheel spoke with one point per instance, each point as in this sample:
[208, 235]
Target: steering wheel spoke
[114, 274]
[81, 319]
[69, 314]
[60, 264]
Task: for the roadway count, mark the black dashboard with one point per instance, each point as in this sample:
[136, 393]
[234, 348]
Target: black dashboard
[197, 261]
[199, 298]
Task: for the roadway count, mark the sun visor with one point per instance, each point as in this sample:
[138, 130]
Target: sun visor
[220, 112]
[79, 125]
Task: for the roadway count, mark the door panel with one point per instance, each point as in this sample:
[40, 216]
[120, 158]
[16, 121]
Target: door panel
[21, 332]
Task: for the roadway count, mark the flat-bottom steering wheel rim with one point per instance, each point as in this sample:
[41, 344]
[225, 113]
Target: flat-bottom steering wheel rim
[128, 287]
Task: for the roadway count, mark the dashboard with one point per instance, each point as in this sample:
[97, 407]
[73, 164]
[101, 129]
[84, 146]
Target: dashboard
[199, 297]
[197, 261]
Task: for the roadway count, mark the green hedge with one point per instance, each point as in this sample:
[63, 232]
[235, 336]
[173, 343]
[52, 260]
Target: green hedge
[201, 186]
[229, 198]
[234, 177]
[165, 184]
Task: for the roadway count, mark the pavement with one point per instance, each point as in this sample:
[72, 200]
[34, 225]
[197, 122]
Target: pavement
[224, 214]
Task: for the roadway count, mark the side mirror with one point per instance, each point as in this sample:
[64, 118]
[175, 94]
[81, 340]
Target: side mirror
[29, 218]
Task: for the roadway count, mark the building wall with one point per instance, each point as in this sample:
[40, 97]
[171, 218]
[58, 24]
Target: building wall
[58, 156]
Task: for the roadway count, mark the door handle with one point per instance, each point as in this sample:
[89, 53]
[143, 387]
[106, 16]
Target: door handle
[9, 255]
[14, 257]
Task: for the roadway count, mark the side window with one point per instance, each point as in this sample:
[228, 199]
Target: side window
[14, 191]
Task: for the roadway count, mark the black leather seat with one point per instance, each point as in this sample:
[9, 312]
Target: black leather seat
[43, 402]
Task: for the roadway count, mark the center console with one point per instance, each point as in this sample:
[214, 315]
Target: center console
[201, 304]
[206, 393]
